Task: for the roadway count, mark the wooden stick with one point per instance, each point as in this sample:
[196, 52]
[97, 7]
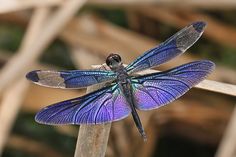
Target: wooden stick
[228, 144]
[35, 27]
[22, 62]
[219, 87]
[92, 139]
[10, 106]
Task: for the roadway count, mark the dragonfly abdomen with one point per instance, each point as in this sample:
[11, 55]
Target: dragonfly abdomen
[127, 91]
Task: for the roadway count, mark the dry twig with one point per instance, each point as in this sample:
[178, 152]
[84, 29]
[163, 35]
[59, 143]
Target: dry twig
[22, 62]
[16, 5]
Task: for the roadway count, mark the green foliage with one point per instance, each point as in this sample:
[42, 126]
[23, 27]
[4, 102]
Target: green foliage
[8, 152]
[114, 15]
[221, 54]
[58, 54]
[10, 37]
[225, 16]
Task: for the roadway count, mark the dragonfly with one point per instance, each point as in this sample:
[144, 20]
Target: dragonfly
[125, 92]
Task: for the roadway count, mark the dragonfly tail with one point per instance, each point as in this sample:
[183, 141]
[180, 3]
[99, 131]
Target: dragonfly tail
[139, 124]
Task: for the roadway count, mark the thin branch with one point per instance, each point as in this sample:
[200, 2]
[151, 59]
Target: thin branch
[22, 62]
[219, 87]
[16, 5]
[37, 21]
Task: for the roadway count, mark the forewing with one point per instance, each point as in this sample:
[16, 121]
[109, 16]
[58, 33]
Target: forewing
[174, 46]
[70, 79]
[105, 105]
[158, 89]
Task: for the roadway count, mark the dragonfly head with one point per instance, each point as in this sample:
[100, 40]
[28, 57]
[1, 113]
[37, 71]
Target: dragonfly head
[113, 61]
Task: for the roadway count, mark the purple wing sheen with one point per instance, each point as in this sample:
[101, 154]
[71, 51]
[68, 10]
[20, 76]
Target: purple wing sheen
[174, 46]
[105, 105]
[70, 79]
[158, 89]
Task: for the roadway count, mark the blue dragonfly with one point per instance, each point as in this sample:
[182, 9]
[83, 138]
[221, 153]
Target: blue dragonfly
[126, 91]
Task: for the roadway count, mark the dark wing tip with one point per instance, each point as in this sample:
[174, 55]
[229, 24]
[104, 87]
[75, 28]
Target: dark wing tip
[199, 26]
[33, 76]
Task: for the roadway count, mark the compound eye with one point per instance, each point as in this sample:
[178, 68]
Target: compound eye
[117, 58]
[108, 61]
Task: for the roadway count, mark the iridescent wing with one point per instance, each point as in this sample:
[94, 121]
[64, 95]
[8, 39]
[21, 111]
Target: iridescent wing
[70, 79]
[158, 89]
[174, 46]
[102, 106]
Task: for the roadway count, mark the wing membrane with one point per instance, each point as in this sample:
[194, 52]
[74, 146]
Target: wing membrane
[174, 46]
[70, 79]
[102, 106]
[158, 89]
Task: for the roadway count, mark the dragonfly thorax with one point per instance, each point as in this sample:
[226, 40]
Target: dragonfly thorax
[114, 61]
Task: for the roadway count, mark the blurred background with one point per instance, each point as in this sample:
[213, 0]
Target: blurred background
[75, 34]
